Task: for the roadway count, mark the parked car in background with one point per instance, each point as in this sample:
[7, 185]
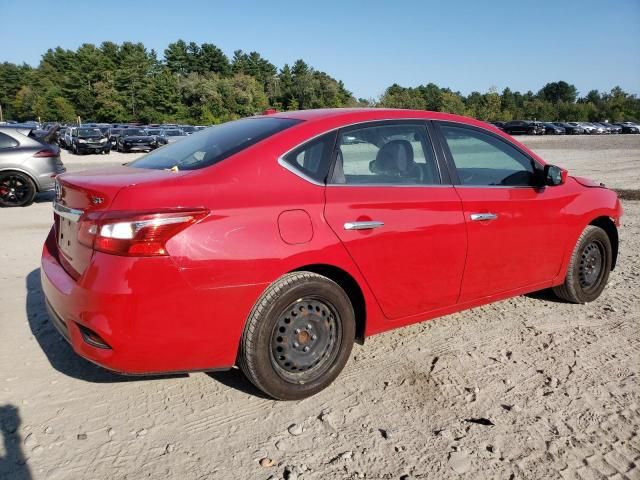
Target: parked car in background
[591, 129]
[135, 139]
[154, 132]
[188, 129]
[170, 135]
[524, 127]
[570, 128]
[499, 125]
[609, 128]
[629, 127]
[89, 140]
[553, 129]
[27, 166]
[191, 258]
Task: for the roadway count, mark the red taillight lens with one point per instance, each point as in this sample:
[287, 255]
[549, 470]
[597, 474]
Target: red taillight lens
[135, 235]
[45, 154]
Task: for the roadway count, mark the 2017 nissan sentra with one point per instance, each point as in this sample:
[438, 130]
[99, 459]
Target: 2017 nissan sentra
[27, 166]
[275, 242]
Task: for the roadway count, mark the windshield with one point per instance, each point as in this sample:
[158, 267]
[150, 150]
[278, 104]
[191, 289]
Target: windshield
[213, 145]
[152, 131]
[133, 132]
[89, 132]
[188, 129]
[172, 133]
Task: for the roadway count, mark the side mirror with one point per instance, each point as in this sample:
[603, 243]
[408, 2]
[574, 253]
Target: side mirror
[554, 175]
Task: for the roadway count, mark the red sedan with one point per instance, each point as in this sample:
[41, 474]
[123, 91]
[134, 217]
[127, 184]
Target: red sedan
[275, 242]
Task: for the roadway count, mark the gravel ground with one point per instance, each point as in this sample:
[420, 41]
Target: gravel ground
[525, 388]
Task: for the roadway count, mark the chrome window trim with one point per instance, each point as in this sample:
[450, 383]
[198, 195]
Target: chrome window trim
[66, 212]
[283, 163]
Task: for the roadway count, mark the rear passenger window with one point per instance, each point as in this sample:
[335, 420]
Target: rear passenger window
[485, 160]
[395, 154]
[7, 142]
[312, 158]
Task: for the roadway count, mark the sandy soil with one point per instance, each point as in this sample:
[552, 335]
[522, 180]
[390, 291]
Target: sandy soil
[525, 388]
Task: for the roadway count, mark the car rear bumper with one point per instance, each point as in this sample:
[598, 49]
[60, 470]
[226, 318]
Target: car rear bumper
[148, 317]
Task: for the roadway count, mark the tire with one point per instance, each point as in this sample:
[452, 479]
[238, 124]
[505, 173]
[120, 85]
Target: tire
[589, 267]
[16, 189]
[298, 336]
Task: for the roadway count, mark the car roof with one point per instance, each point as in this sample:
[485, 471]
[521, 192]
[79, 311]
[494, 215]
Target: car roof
[355, 115]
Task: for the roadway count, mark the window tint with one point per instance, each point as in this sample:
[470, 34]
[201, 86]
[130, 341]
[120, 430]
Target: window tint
[312, 158]
[385, 154]
[6, 141]
[483, 159]
[212, 145]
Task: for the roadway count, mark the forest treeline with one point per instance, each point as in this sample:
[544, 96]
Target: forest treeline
[199, 84]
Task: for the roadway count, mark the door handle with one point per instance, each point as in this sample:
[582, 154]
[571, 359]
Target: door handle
[369, 225]
[479, 217]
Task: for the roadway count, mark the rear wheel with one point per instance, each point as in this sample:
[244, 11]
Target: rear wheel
[298, 336]
[589, 267]
[16, 189]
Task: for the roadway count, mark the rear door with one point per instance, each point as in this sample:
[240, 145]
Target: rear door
[391, 205]
[516, 231]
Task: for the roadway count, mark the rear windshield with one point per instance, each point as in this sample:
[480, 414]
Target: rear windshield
[212, 145]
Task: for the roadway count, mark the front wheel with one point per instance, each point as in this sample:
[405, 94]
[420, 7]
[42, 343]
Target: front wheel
[298, 337]
[589, 267]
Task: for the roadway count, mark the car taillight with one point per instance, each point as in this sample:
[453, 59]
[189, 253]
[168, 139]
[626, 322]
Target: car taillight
[135, 235]
[45, 154]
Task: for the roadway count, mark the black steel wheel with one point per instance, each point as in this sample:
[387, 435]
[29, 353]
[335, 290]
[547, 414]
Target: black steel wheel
[589, 267]
[16, 189]
[304, 339]
[298, 336]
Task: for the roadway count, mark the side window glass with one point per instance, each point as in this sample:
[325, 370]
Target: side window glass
[7, 142]
[312, 158]
[484, 160]
[385, 154]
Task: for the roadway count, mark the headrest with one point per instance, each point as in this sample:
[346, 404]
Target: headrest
[394, 158]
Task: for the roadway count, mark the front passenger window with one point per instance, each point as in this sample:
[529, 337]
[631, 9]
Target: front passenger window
[484, 160]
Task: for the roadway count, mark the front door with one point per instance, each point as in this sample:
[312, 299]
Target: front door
[516, 233]
[401, 225]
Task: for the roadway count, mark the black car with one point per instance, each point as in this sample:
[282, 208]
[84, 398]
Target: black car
[89, 140]
[569, 128]
[499, 125]
[135, 139]
[629, 127]
[553, 129]
[526, 127]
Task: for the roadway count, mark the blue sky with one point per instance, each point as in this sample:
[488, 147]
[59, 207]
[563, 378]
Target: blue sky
[464, 45]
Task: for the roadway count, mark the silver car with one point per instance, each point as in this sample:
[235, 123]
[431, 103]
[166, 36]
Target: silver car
[28, 166]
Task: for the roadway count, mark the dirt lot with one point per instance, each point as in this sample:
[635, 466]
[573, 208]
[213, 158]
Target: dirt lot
[525, 388]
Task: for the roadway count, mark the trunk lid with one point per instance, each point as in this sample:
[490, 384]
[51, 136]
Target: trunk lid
[91, 192]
